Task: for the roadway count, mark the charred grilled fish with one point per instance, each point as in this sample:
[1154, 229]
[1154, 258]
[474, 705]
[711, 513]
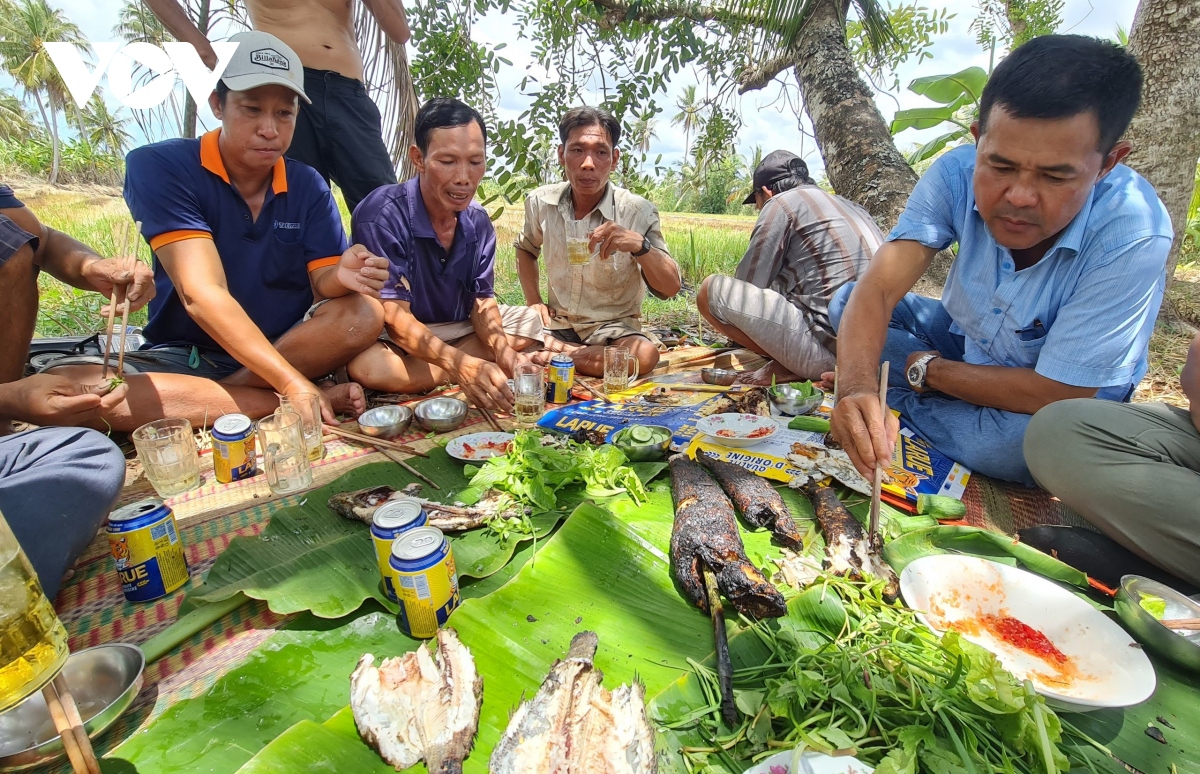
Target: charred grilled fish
[418, 707]
[361, 505]
[848, 549]
[755, 499]
[574, 726]
[753, 401]
[706, 531]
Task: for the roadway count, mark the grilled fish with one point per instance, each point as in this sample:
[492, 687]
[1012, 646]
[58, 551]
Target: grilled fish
[418, 707]
[755, 499]
[753, 401]
[361, 505]
[574, 726]
[705, 531]
[848, 549]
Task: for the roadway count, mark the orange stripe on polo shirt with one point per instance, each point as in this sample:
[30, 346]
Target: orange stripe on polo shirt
[171, 237]
[321, 263]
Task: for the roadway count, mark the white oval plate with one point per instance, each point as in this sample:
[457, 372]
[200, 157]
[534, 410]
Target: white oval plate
[737, 428]
[1105, 667]
[810, 763]
[478, 447]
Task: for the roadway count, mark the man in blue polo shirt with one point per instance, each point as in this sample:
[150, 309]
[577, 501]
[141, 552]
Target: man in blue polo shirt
[1058, 278]
[244, 242]
[443, 322]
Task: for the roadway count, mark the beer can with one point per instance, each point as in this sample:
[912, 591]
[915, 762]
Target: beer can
[426, 582]
[392, 519]
[233, 448]
[561, 379]
[149, 553]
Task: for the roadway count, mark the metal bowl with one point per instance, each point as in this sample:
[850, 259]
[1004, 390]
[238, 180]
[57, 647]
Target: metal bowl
[104, 681]
[1184, 649]
[792, 402]
[385, 421]
[643, 453]
[721, 376]
[440, 415]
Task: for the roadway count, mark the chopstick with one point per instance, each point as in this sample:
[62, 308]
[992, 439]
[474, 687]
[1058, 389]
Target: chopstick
[491, 420]
[1183, 624]
[877, 484]
[378, 443]
[705, 388]
[396, 458]
[129, 248]
[69, 726]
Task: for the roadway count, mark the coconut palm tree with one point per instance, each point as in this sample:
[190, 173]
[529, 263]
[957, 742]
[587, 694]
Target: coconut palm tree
[24, 26]
[137, 24]
[103, 129]
[642, 133]
[15, 121]
[690, 116]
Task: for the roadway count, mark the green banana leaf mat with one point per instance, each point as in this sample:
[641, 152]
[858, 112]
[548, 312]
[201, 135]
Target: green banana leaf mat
[605, 569]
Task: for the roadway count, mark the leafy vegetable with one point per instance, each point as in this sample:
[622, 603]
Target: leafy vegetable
[1155, 606]
[844, 671]
[533, 472]
[806, 389]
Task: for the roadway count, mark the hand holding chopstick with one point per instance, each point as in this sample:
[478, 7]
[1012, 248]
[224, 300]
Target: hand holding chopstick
[125, 242]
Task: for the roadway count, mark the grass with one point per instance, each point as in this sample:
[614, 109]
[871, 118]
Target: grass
[702, 244]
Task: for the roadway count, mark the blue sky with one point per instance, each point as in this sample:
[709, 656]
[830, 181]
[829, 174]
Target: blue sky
[769, 120]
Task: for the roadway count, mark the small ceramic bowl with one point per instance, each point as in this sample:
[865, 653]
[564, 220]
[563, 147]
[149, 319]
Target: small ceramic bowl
[104, 681]
[385, 421]
[792, 402]
[440, 415]
[737, 430]
[721, 376]
[1183, 648]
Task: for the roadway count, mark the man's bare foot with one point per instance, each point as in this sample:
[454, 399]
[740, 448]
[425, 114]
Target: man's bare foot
[764, 374]
[345, 398]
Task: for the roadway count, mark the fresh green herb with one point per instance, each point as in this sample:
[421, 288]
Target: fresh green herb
[806, 389]
[115, 382]
[533, 472]
[1155, 606]
[849, 673]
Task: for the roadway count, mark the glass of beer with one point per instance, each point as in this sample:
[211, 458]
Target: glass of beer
[308, 406]
[33, 642]
[285, 455]
[617, 361]
[168, 453]
[529, 394]
[578, 252]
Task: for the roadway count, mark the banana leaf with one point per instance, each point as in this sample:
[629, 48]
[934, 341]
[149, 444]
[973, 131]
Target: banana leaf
[977, 542]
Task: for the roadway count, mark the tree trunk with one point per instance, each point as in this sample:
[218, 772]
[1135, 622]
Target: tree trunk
[51, 129]
[860, 156]
[1166, 131]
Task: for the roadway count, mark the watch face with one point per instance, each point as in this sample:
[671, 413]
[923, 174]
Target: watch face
[914, 375]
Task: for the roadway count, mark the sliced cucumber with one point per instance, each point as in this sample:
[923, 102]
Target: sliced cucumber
[641, 434]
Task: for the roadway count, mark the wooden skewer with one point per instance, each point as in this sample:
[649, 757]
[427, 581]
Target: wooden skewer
[491, 420]
[69, 726]
[716, 610]
[1183, 624]
[378, 443]
[877, 484]
[130, 250]
[396, 458]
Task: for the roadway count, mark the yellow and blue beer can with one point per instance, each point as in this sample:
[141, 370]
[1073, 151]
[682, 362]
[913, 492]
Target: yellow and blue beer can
[561, 379]
[233, 448]
[391, 520]
[426, 581]
[148, 550]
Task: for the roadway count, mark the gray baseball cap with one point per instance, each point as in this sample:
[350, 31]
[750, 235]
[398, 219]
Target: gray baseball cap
[262, 59]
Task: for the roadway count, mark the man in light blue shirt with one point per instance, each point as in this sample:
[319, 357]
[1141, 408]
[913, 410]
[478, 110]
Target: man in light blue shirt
[1058, 278]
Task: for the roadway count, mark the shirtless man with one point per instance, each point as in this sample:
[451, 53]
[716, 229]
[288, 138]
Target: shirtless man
[339, 134]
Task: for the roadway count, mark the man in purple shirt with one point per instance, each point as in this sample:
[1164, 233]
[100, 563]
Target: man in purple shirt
[442, 322]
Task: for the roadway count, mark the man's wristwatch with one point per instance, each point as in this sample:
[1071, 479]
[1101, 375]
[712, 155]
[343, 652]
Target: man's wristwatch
[917, 371]
[645, 248]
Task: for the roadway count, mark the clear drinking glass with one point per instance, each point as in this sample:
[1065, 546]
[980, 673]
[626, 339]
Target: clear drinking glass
[616, 369]
[285, 456]
[577, 242]
[33, 642]
[309, 408]
[167, 450]
[529, 394]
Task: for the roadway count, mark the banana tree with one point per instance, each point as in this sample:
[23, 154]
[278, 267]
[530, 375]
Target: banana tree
[957, 96]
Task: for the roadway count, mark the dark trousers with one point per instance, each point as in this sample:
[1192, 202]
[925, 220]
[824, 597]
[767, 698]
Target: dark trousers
[57, 485]
[340, 135]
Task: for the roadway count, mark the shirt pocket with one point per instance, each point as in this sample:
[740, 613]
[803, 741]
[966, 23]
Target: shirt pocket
[611, 274]
[285, 266]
